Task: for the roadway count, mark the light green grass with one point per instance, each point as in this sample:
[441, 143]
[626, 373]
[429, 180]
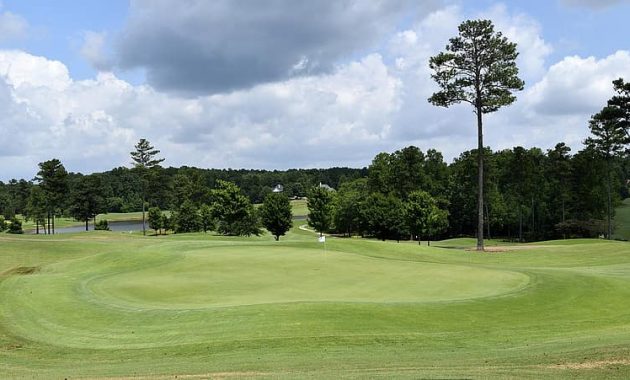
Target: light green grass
[116, 305]
[622, 221]
[299, 207]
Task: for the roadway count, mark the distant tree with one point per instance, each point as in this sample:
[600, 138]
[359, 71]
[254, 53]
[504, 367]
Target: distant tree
[86, 200]
[36, 207]
[15, 226]
[168, 222]
[620, 103]
[143, 158]
[384, 216]
[418, 210]
[250, 224]
[182, 190]
[155, 219]
[207, 220]
[53, 180]
[233, 211]
[346, 213]
[276, 214]
[407, 169]
[320, 209]
[101, 225]
[609, 138]
[187, 218]
[437, 223]
[558, 171]
[479, 68]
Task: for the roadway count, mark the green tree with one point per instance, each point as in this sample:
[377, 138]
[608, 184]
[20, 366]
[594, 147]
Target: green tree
[384, 216]
[143, 158]
[233, 211]
[346, 213]
[36, 207]
[276, 214]
[320, 209]
[621, 104]
[479, 68]
[418, 209]
[155, 219]
[53, 180]
[15, 226]
[86, 200]
[609, 138]
[187, 218]
[3, 223]
[207, 220]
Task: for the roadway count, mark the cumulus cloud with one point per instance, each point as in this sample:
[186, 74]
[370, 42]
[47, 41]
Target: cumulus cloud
[374, 102]
[93, 50]
[218, 46]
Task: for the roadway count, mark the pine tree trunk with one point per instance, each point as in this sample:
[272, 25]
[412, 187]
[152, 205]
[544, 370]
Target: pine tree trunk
[609, 211]
[86, 223]
[520, 223]
[480, 176]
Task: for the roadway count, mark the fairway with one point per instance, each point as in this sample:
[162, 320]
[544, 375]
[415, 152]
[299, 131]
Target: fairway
[114, 305]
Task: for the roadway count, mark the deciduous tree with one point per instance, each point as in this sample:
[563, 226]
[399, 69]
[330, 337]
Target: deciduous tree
[276, 214]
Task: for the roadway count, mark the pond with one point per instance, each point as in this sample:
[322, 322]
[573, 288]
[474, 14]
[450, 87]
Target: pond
[121, 226]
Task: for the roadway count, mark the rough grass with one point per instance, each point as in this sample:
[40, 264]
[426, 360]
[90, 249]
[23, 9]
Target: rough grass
[202, 306]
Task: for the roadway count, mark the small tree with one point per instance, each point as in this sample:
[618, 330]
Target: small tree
[276, 214]
[15, 226]
[188, 219]
[143, 159]
[86, 200]
[207, 220]
[3, 223]
[479, 68]
[233, 211]
[155, 219]
[36, 207]
[320, 209]
[53, 179]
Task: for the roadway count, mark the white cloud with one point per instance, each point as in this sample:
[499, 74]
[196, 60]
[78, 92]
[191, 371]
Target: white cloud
[375, 103]
[12, 25]
[93, 50]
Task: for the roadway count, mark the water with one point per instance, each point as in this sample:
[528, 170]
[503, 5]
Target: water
[122, 226]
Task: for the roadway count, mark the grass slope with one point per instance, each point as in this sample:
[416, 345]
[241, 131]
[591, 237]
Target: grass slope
[115, 305]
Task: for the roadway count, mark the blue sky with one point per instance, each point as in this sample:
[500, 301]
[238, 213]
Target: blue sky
[281, 83]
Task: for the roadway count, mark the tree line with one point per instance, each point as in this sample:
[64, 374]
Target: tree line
[530, 194]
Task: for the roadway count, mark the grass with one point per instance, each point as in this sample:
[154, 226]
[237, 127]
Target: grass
[622, 221]
[100, 304]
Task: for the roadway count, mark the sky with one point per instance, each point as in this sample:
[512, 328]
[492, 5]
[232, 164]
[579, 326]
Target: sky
[279, 84]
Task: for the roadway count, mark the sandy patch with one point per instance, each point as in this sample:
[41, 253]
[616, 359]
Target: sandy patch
[591, 364]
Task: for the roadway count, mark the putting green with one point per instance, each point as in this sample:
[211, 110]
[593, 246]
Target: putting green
[246, 275]
[112, 305]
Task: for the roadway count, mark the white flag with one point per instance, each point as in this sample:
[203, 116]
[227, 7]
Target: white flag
[322, 239]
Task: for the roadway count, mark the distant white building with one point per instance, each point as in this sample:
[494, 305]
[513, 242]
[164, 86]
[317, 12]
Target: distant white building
[324, 186]
[278, 188]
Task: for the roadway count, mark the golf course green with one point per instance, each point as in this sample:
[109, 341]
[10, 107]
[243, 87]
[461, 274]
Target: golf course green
[111, 305]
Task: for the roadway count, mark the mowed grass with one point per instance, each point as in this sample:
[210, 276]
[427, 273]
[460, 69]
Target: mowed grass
[622, 221]
[92, 305]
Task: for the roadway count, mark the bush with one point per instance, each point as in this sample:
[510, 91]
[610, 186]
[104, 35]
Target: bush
[15, 227]
[101, 225]
[3, 224]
